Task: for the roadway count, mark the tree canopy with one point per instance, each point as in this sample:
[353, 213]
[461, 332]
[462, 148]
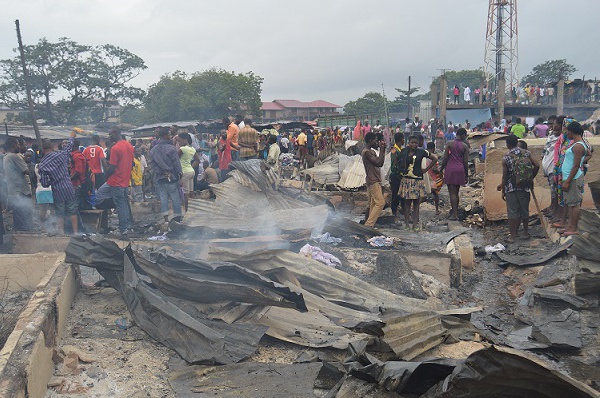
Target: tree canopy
[549, 72]
[210, 94]
[371, 103]
[93, 78]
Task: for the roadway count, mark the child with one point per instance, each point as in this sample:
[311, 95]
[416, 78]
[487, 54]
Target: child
[437, 179]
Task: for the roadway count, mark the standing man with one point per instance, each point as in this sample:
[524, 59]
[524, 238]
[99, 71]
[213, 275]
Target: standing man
[167, 172]
[248, 141]
[518, 129]
[120, 164]
[77, 171]
[396, 176]
[373, 165]
[516, 184]
[233, 132]
[467, 95]
[94, 155]
[302, 151]
[96, 160]
[16, 172]
[54, 171]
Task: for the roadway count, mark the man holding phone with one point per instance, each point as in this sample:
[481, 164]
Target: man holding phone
[373, 163]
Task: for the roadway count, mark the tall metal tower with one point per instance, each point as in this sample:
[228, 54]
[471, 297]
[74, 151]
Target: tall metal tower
[501, 45]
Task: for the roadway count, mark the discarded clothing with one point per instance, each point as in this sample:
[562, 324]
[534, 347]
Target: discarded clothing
[498, 247]
[326, 238]
[317, 254]
[381, 241]
[162, 237]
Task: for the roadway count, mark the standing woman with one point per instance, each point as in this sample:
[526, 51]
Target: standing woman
[412, 186]
[188, 157]
[455, 167]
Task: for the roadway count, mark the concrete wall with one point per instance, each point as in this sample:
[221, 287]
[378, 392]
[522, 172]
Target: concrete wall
[23, 272]
[26, 360]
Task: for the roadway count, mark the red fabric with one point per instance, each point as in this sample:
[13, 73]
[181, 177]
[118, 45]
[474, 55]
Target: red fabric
[357, 132]
[78, 165]
[94, 155]
[121, 156]
[225, 154]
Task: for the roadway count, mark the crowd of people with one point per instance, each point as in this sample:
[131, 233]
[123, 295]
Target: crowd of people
[68, 178]
[416, 170]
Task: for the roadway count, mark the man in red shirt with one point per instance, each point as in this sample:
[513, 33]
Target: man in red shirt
[119, 175]
[77, 171]
[96, 160]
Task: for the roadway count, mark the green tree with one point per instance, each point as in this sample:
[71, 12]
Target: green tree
[86, 73]
[113, 68]
[209, 94]
[371, 103]
[549, 72]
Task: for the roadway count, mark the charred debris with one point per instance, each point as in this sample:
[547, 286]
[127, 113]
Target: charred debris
[231, 275]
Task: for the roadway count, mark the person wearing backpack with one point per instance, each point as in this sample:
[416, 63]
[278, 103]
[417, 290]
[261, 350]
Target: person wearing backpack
[519, 169]
[573, 174]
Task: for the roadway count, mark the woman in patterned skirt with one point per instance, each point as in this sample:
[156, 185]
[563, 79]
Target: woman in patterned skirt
[412, 186]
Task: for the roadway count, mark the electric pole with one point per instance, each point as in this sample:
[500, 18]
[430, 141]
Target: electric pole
[38, 137]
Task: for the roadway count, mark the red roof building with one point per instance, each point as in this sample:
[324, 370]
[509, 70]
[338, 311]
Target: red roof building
[294, 110]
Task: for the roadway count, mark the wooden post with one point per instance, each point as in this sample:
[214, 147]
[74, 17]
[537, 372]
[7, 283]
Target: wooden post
[560, 97]
[501, 95]
[38, 137]
[443, 92]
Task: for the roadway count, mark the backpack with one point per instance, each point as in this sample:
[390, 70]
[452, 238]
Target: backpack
[522, 170]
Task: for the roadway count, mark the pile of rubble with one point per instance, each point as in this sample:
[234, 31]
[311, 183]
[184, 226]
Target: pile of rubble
[231, 274]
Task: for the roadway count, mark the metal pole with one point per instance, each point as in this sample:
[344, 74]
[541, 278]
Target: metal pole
[408, 101]
[38, 137]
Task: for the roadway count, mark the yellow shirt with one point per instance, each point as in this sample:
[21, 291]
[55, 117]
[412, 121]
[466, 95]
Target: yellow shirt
[301, 139]
[136, 173]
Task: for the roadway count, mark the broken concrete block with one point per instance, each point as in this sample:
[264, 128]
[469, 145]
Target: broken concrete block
[55, 381]
[70, 365]
[82, 355]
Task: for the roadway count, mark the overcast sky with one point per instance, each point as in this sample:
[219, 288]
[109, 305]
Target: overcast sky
[335, 50]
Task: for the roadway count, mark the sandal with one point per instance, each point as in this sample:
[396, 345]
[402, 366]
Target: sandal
[509, 239]
[417, 229]
[569, 233]
[558, 225]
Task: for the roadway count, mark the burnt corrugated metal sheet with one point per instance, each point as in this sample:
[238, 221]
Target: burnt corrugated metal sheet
[411, 335]
[248, 204]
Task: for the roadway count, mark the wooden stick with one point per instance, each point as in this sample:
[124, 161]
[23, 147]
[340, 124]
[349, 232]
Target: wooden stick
[540, 215]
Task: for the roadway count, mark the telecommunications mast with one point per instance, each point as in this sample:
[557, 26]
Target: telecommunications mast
[501, 45]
